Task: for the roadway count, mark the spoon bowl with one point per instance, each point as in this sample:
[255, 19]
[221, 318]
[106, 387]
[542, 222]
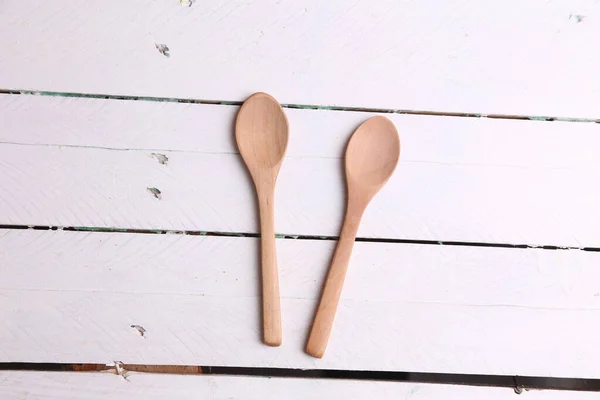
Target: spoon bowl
[372, 154]
[371, 158]
[261, 132]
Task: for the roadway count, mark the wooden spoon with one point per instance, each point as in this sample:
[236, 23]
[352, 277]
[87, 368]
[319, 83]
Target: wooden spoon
[371, 157]
[261, 132]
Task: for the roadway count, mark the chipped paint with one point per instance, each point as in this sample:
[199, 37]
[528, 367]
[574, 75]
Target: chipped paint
[577, 17]
[155, 192]
[162, 158]
[139, 330]
[163, 49]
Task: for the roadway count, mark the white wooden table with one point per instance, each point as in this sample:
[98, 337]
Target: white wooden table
[481, 256]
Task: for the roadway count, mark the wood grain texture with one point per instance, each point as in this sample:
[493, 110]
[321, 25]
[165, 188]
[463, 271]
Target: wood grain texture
[72, 297]
[371, 157]
[467, 56]
[139, 386]
[261, 133]
[124, 368]
[504, 181]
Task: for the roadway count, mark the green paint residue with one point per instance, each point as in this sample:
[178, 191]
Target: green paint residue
[292, 106]
[104, 96]
[300, 106]
[539, 118]
[286, 236]
[577, 120]
[312, 107]
[98, 229]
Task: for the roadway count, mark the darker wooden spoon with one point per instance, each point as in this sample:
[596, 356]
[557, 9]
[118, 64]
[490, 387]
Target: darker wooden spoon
[371, 157]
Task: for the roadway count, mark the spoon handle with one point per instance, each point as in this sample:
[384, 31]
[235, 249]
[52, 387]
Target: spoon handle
[321, 329]
[270, 276]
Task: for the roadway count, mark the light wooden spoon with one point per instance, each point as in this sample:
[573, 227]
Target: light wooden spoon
[261, 132]
[371, 157]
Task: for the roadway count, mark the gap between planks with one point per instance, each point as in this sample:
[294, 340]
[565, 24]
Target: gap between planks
[518, 383]
[288, 236]
[300, 106]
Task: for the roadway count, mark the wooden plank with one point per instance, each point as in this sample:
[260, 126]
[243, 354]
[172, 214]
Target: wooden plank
[122, 369]
[72, 297]
[83, 386]
[395, 54]
[460, 179]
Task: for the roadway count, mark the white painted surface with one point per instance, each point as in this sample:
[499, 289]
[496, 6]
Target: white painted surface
[20, 385]
[514, 57]
[72, 297]
[460, 179]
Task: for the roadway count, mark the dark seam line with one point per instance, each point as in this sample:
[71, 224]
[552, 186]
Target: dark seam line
[299, 106]
[292, 237]
[516, 382]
